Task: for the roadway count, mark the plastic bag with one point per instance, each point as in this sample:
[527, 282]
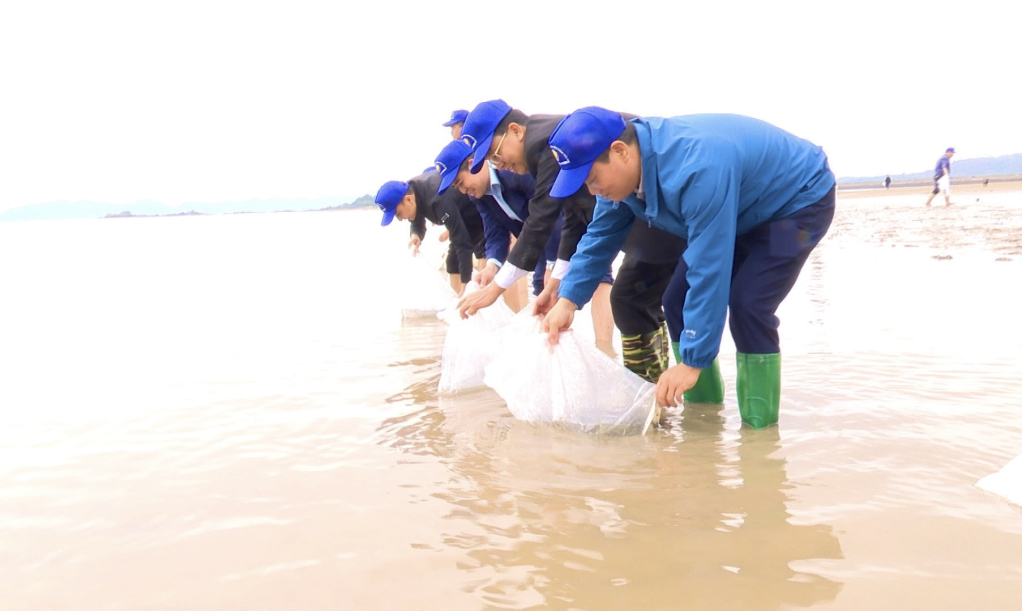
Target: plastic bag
[470, 344]
[1007, 482]
[574, 385]
[424, 289]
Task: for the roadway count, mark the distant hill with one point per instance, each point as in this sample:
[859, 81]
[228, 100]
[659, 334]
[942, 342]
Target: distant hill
[93, 210]
[964, 168]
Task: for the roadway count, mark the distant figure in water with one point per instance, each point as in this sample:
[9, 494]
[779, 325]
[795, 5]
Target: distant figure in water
[942, 177]
[887, 182]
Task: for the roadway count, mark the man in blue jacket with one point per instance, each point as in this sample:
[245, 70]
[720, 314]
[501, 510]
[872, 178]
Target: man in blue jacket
[751, 199]
[942, 177]
[502, 199]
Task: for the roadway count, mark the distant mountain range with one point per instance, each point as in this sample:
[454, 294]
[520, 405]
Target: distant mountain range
[964, 168]
[94, 210]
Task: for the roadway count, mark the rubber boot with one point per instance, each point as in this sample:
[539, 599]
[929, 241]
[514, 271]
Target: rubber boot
[709, 387]
[759, 388]
[645, 355]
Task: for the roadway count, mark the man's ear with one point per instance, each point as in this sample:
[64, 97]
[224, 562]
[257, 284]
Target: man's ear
[517, 130]
[620, 149]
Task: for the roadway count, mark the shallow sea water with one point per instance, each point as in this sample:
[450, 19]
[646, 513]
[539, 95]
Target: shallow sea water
[228, 412]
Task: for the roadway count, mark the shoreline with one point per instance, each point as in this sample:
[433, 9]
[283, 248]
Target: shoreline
[966, 185]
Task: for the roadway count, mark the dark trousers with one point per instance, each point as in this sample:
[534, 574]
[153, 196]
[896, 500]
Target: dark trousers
[767, 263]
[651, 255]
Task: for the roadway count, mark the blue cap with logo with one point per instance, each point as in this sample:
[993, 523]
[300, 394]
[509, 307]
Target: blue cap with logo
[479, 126]
[577, 141]
[388, 197]
[950, 150]
[449, 161]
[458, 116]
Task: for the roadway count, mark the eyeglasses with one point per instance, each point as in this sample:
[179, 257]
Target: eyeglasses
[495, 158]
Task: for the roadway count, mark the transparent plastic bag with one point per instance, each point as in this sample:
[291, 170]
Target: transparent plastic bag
[470, 344]
[574, 385]
[1007, 482]
[425, 291]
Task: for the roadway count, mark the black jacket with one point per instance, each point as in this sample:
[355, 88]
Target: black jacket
[543, 209]
[453, 210]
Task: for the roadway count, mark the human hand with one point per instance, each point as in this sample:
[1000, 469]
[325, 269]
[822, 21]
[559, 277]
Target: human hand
[547, 298]
[473, 302]
[485, 276]
[444, 235]
[414, 243]
[673, 383]
[558, 318]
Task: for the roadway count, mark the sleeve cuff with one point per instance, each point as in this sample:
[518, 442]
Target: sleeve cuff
[508, 274]
[560, 269]
[496, 262]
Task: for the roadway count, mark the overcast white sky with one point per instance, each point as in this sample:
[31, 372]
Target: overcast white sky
[212, 101]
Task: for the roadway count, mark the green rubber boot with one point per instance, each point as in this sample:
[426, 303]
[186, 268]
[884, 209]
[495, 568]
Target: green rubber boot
[759, 388]
[709, 387]
[645, 355]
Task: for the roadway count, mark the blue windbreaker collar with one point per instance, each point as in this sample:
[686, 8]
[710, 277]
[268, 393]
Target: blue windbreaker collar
[649, 171]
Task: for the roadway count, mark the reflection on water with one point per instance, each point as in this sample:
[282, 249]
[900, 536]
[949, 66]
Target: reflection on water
[692, 516]
[247, 422]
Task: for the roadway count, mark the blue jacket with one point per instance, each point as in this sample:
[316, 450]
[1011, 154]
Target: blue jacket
[707, 178]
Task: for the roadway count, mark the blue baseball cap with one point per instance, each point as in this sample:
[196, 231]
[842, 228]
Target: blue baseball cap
[950, 150]
[449, 161]
[388, 197]
[577, 141]
[479, 126]
[458, 116]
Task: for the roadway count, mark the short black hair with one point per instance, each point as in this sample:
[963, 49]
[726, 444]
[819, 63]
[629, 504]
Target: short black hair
[628, 136]
[515, 116]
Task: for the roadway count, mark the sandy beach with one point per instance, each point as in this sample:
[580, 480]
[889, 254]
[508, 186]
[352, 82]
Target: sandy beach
[981, 217]
[973, 187]
[248, 423]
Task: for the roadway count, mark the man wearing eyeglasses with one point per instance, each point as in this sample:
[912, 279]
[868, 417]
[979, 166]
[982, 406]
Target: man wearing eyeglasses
[510, 140]
[417, 201]
[502, 199]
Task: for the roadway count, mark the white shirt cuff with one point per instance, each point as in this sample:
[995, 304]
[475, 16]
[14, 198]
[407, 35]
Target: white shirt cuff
[508, 274]
[560, 269]
[495, 262]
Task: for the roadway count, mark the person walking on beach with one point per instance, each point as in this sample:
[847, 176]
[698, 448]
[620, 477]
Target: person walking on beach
[502, 199]
[752, 200]
[942, 177]
[510, 140]
[417, 201]
[456, 121]
[887, 182]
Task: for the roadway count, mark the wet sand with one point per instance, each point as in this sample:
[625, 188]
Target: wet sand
[980, 218]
